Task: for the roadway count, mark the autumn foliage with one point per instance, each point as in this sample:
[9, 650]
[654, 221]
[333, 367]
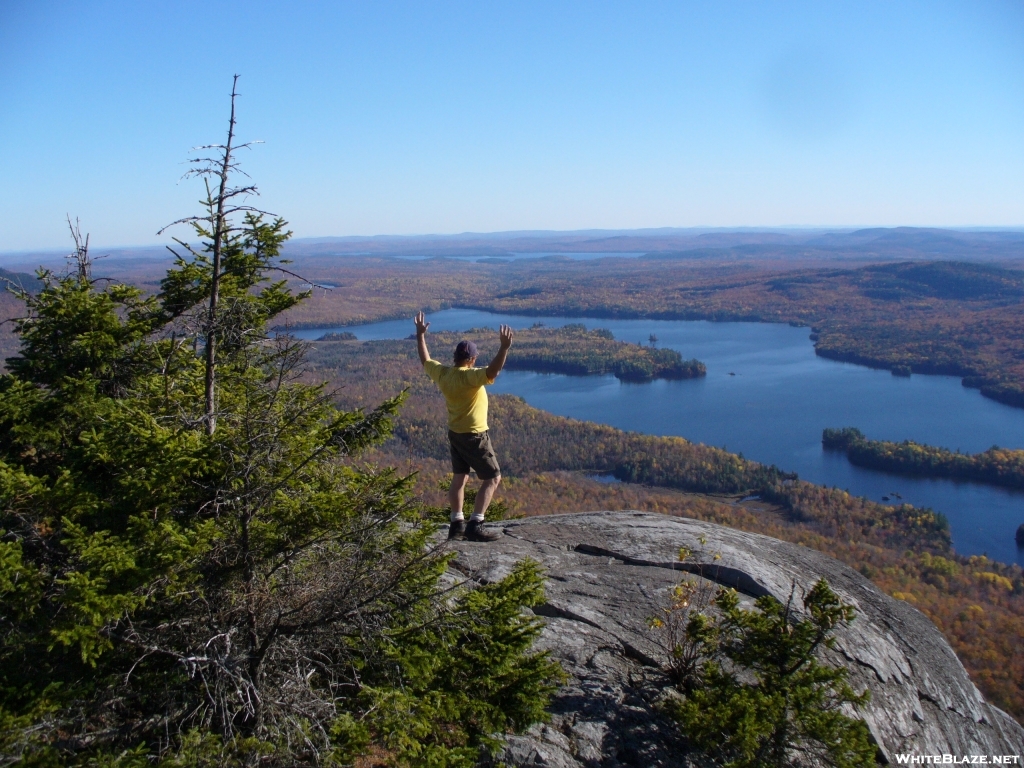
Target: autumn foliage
[961, 319]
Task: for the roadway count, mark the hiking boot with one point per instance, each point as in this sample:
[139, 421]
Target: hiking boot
[475, 532]
[457, 530]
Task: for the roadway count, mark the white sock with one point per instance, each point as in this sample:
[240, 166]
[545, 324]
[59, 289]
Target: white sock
[477, 517]
[457, 517]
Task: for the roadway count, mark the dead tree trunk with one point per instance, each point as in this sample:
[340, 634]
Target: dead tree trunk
[219, 231]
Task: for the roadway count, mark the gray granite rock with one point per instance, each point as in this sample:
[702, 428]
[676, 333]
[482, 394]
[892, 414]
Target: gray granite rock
[608, 572]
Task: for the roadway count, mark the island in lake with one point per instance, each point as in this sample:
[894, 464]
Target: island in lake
[996, 466]
[570, 350]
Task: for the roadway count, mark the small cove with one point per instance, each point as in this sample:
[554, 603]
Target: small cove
[768, 396]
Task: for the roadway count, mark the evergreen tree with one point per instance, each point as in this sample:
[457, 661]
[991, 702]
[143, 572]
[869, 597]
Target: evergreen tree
[761, 697]
[185, 595]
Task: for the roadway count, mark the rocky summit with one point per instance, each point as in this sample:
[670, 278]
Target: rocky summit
[609, 572]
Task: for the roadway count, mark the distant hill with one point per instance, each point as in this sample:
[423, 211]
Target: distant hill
[926, 241]
[693, 243]
[942, 280]
[878, 243]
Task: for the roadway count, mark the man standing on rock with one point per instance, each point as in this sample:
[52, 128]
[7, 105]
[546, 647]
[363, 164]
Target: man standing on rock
[463, 388]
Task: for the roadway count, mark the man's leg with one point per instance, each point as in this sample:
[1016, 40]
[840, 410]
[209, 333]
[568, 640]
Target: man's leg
[457, 493]
[475, 528]
[483, 498]
[476, 451]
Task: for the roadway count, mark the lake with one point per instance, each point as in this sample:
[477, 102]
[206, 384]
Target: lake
[768, 396]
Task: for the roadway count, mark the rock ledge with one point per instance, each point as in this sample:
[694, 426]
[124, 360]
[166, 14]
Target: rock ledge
[609, 571]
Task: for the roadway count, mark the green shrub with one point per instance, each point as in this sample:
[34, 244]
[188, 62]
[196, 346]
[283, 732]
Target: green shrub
[761, 697]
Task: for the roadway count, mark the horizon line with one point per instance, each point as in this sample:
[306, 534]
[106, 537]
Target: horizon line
[538, 233]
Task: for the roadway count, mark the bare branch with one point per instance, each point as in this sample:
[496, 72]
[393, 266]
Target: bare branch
[303, 279]
[80, 258]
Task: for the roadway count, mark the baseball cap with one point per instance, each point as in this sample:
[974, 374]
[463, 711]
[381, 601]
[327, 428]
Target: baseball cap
[465, 350]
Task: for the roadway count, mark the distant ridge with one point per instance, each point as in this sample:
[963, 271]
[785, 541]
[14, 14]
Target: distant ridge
[783, 243]
[874, 243]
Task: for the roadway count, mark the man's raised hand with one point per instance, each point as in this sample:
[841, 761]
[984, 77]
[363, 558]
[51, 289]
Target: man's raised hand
[505, 334]
[421, 337]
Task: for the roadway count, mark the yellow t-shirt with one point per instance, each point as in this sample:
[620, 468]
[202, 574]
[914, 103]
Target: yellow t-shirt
[464, 394]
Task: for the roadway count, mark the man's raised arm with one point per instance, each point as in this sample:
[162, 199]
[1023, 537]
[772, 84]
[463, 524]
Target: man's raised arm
[421, 337]
[505, 334]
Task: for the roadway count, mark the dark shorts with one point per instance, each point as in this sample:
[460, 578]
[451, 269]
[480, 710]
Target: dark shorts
[473, 450]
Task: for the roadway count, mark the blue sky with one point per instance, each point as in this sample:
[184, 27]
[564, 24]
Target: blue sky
[401, 118]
